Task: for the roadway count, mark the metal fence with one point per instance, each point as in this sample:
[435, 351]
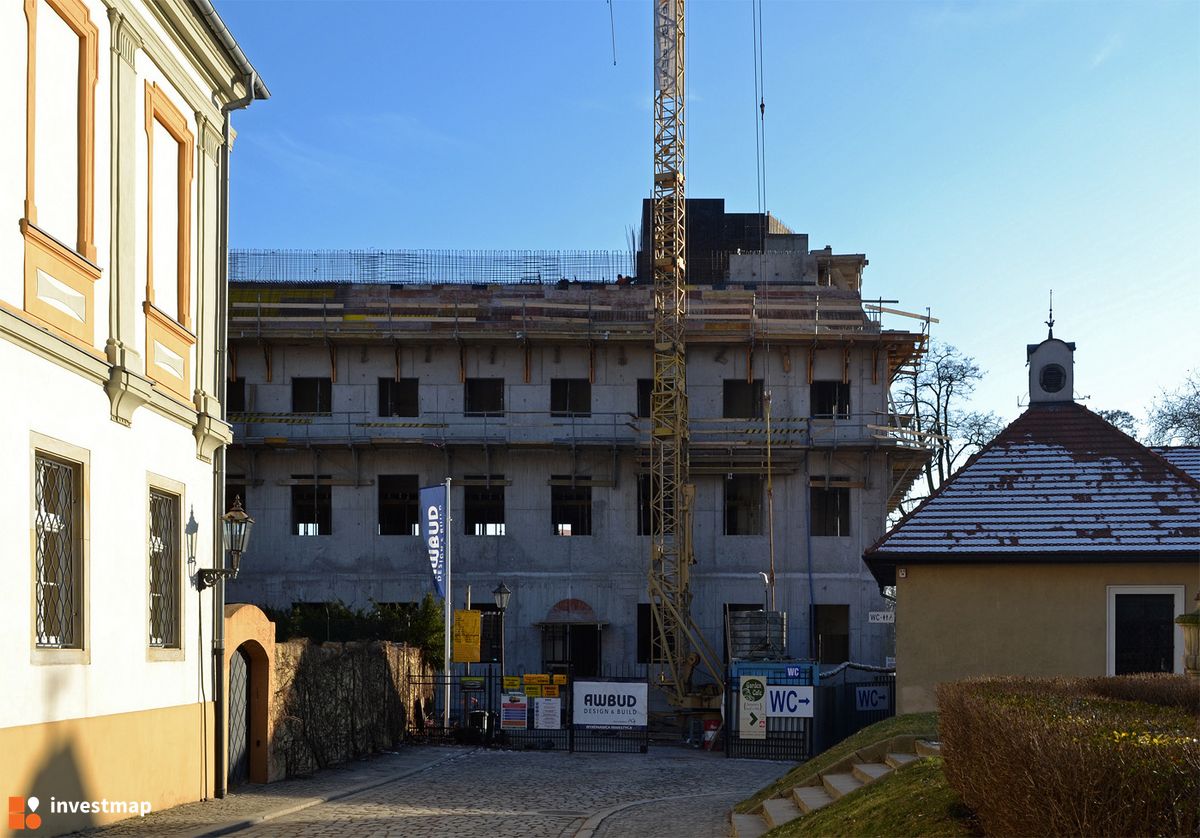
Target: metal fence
[786, 738]
[481, 713]
[846, 708]
[536, 267]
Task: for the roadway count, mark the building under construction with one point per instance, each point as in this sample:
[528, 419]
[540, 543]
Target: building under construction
[357, 377]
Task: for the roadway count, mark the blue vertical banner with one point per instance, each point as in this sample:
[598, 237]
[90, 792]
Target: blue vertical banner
[433, 532]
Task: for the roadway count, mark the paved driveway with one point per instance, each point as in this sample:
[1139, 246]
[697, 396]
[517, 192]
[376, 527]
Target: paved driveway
[497, 794]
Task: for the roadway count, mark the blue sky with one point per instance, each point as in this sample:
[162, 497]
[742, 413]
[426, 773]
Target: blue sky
[980, 154]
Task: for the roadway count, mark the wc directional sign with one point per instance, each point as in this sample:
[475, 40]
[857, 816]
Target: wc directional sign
[868, 699]
[789, 702]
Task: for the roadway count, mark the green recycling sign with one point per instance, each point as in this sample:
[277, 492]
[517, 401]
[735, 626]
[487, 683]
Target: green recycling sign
[752, 707]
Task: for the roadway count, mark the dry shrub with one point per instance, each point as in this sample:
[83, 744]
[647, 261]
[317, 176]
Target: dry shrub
[341, 701]
[1150, 687]
[1074, 756]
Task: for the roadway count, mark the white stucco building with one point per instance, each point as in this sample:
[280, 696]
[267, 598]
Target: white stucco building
[111, 325]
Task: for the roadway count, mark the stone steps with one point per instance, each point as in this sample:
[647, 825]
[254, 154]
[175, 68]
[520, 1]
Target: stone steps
[778, 811]
[810, 798]
[927, 748]
[748, 826]
[832, 785]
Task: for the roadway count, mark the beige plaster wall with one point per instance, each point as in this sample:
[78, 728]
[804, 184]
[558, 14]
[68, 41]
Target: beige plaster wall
[959, 621]
[163, 756]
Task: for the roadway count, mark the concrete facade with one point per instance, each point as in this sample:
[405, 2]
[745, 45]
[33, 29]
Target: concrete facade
[348, 447]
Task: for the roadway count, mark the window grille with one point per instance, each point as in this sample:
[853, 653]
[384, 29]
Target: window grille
[164, 570]
[58, 553]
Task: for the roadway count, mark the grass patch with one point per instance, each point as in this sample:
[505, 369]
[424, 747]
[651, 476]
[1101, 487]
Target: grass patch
[913, 800]
[917, 724]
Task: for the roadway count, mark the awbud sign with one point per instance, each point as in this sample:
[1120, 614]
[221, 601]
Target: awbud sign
[607, 704]
[433, 532]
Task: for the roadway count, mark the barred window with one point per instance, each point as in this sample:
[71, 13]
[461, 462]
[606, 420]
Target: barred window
[164, 570]
[59, 551]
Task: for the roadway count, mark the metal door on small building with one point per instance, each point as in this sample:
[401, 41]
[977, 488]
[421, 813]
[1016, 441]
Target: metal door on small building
[1145, 633]
[239, 718]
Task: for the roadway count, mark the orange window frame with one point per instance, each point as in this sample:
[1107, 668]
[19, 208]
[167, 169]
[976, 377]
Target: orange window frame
[170, 329]
[74, 268]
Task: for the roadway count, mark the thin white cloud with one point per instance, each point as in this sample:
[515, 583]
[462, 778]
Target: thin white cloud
[302, 158]
[407, 129]
[1106, 51]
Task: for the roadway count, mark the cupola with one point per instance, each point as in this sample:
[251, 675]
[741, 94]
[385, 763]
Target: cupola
[1051, 368]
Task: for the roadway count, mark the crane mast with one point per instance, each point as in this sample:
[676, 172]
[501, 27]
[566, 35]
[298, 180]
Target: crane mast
[670, 492]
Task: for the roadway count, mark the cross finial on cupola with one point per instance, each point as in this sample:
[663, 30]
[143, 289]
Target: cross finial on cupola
[1050, 322]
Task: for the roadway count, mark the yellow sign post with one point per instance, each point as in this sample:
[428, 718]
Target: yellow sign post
[512, 683]
[465, 636]
[534, 678]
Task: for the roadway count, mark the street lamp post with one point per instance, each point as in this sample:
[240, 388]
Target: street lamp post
[502, 595]
[236, 526]
[235, 529]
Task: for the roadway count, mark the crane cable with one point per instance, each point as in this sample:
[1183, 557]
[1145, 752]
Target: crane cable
[761, 196]
[612, 25]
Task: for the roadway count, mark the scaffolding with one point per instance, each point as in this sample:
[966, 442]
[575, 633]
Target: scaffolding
[431, 267]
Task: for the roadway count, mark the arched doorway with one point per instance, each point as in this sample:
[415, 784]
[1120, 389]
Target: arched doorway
[571, 639]
[239, 718]
[249, 688]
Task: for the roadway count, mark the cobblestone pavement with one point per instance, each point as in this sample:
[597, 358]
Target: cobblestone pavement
[494, 794]
[497, 794]
[257, 801]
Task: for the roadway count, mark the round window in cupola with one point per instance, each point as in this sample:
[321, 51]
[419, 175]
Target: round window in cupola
[1053, 378]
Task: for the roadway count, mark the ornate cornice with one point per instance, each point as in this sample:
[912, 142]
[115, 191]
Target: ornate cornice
[125, 40]
[210, 136]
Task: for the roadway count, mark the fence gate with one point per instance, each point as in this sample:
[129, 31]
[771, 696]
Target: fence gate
[533, 712]
[846, 708]
[239, 718]
[787, 702]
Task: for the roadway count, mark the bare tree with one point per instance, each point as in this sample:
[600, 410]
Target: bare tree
[1175, 417]
[1122, 420]
[937, 401]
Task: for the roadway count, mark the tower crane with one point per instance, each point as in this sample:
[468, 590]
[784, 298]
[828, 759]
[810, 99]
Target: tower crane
[677, 644]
